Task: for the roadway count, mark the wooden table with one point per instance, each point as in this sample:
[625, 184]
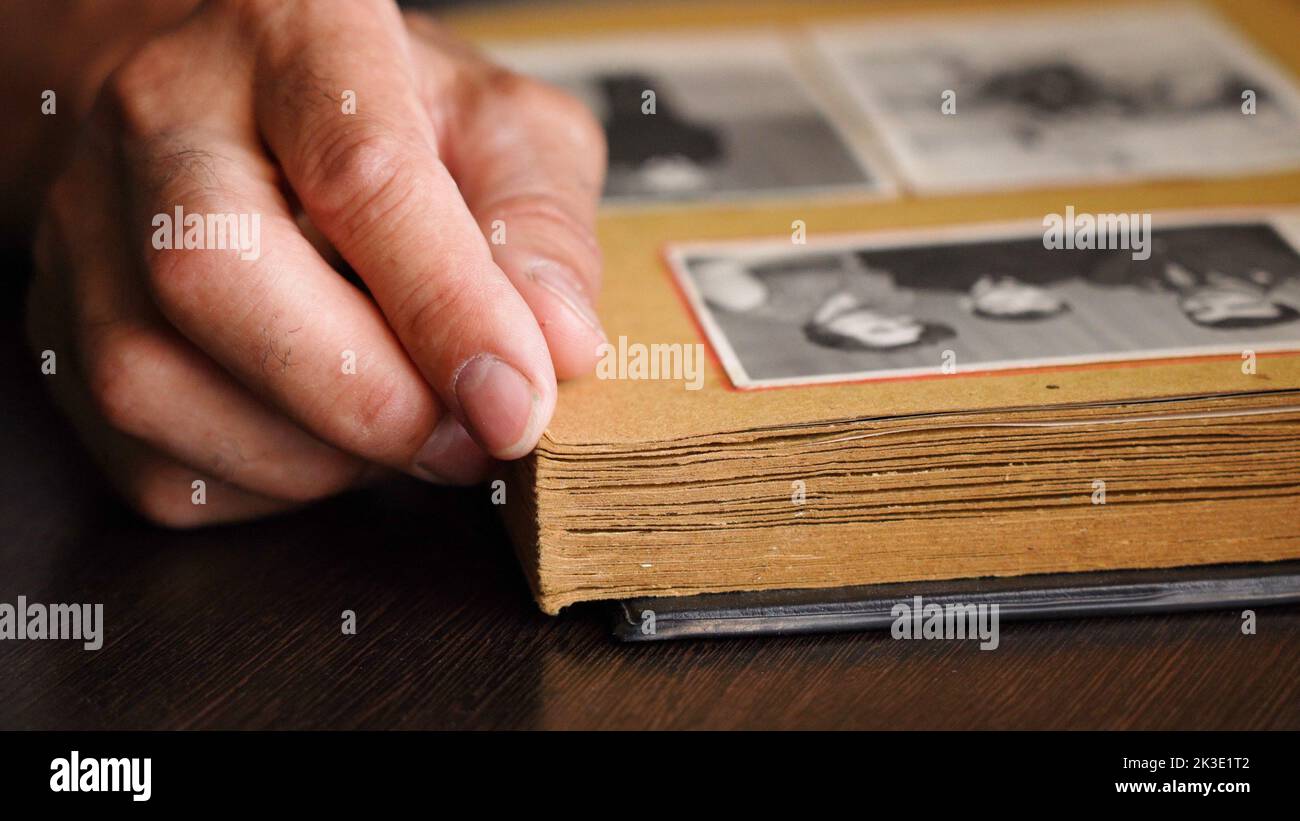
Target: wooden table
[240, 627]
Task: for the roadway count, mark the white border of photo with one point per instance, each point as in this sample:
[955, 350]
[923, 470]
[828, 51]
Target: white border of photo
[1284, 220]
[836, 43]
[711, 47]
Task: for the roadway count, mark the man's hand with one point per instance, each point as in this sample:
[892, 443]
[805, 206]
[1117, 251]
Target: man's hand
[381, 138]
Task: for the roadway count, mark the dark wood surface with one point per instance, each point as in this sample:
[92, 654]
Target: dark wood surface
[239, 627]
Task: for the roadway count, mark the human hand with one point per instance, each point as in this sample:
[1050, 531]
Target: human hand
[264, 372]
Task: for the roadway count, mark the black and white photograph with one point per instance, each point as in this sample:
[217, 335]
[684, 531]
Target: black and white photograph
[990, 298]
[1039, 98]
[689, 119]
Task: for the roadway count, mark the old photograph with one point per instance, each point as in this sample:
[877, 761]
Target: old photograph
[990, 298]
[688, 119]
[1028, 99]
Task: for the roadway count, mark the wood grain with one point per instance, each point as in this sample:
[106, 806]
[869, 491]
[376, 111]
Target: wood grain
[239, 627]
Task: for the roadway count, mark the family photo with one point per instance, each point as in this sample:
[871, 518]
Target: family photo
[879, 308]
[684, 121]
[1048, 97]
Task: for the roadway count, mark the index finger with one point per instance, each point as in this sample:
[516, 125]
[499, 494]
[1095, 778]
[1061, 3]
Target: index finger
[372, 180]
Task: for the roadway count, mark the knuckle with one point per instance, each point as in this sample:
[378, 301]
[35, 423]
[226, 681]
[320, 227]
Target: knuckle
[130, 94]
[384, 417]
[358, 175]
[247, 15]
[379, 402]
[260, 20]
[568, 235]
[112, 377]
[585, 130]
[556, 110]
[541, 97]
[431, 304]
[502, 82]
[551, 213]
[550, 116]
[172, 275]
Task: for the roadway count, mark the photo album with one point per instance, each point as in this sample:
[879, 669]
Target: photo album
[925, 297]
[384, 368]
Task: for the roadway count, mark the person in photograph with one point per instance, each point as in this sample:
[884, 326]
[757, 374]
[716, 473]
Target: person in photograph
[1217, 300]
[1006, 297]
[1056, 89]
[664, 151]
[1229, 277]
[1051, 89]
[845, 324]
[838, 301]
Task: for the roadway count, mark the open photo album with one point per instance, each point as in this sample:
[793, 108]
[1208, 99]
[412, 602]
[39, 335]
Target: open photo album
[860, 333]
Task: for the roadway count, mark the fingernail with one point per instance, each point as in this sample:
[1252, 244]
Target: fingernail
[500, 405]
[563, 282]
[451, 457]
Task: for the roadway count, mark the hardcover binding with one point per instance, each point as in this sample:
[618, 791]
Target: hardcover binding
[868, 607]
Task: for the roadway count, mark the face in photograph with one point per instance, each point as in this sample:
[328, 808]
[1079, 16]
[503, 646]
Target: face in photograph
[685, 121]
[1054, 97]
[873, 310]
